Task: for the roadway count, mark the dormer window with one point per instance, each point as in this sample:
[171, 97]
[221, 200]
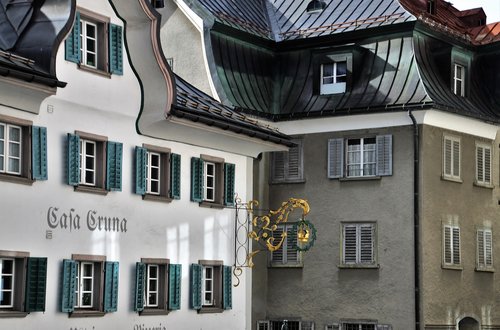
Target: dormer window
[333, 77]
[431, 7]
[458, 79]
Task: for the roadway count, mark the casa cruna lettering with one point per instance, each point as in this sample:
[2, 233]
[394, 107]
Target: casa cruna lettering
[71, 220]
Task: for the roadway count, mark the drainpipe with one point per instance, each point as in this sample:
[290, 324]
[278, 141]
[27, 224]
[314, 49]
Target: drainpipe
[416, 218]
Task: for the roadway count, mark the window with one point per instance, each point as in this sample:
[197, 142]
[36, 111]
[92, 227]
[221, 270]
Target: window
[356, 325]
[211, 286]
[158, 286]
[158, 173]
[484, 249]
[451, 158]
[23, 151]
[458, 79]
[431, 7]
[451, 245]
[360, 157]
[95, 44]
[358, 245]
[212, 181]
[94, 163]
[287, 166]
[287, 254]
[22, 283]
[483, 164]
[291, 325]
[89, 286]
[333, 77]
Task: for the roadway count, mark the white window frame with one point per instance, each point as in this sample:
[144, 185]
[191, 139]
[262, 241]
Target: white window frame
[6, 141]
[84, 38]
[484, 248]
[334, 87]
[207, 177]
[458, 81]
[362, 161]
[452, 246]
[150, 178]
[452, 160]
[12, 277]
[483, 164]
[359, 244]
[205, 280]
[83, 162]
[80, 278]
[357, 325]
[149, 280]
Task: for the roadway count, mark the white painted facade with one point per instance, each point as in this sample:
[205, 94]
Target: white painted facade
[33, 216]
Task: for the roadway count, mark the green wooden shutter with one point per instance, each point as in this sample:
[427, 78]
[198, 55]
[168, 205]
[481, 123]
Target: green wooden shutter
[73, 159]
[140, 281]
[227, 288]
[39, 153]
[195, 286]
[140, 170]
[229, 172]
[174, 286]
[335, 158]
[68, 286]
[384, 155]
[111, 275]
[36, 282]
[114, 152]
[72, 43]
[115, 49]
[196, 179]
[175, 176]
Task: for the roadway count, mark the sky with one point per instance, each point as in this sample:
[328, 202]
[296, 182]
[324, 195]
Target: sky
[490, 7]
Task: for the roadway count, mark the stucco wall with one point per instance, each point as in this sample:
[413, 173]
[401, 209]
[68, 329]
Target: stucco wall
[323, 292]
[451, 294]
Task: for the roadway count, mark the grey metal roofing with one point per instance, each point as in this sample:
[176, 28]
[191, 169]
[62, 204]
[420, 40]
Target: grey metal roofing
[284, 84]
[192, 104]
[287, 19]
[31, 33]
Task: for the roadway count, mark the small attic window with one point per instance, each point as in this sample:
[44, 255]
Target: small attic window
[158, 3]
[431, 7]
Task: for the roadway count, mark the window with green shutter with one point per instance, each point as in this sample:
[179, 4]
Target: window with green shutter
[157, 173]
[89, 286]
[23, 151]
[360, 157]
[94, 164]
[157, 286]
[95, 44]
[212, 181]
[23, 281]
[210, 286]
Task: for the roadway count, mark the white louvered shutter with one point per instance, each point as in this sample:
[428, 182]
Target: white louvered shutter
[456, 246]
[335, 158]
[366, 244]
[480, 248]
[278, 166]
[456, 158]
[292, 254]
[278, 256]
[294, 169]
[384, 155]
[447, 245]
[447, 157]
[350, 246]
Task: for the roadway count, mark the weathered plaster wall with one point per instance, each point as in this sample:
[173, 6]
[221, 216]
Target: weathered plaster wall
[451, 294]
[323, 292]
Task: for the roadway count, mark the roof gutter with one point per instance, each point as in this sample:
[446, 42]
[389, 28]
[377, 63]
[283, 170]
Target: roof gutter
[31, 77]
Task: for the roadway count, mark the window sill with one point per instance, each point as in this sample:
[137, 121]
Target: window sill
[451, 179]
[358, 266]
[212, 205]
[95, 71]
[153, 311]
[274, 265]
[16, 179]
[289, 181]
[86, 313]
[360, 178]
[91, 190]
[12, 314]
[484, 270]
[483, 185]
[207, 310]
[451, 267]
[156, 198]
